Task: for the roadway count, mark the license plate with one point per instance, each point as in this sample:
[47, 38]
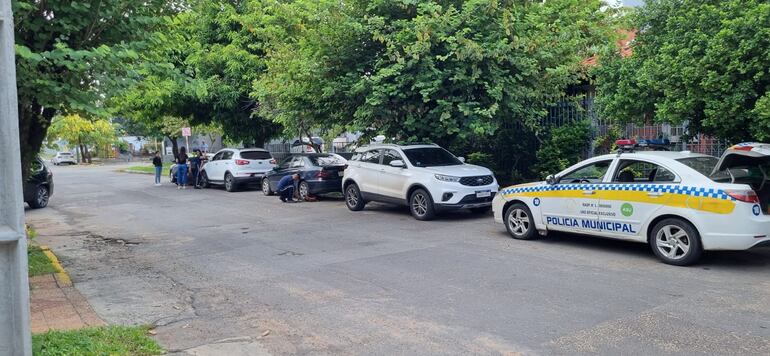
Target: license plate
[483, 193]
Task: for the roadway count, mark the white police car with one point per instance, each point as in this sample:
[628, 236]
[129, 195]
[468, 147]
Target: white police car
[681, 203]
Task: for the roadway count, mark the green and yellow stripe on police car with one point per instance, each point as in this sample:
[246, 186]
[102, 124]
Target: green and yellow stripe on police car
[701, 199]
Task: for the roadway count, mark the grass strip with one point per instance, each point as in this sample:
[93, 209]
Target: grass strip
[39, 263]
[103, 340]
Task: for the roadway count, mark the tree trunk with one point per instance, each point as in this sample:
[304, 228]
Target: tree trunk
[33, 127]
[174, 146]
[82, 152]
[88, 154]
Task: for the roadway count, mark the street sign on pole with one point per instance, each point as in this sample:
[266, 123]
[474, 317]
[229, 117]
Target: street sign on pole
[186, 132]
[15, 338]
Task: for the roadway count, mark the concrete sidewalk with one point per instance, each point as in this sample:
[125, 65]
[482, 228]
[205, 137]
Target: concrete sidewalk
[56, 305]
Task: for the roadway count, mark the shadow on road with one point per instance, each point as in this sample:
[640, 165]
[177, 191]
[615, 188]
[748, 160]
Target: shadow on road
[756, 259]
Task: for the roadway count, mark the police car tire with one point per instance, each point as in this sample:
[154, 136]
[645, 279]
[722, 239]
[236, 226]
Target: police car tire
[531, 232]
[695, 250]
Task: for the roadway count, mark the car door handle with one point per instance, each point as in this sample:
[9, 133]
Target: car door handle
[589, 192]
[654, 194]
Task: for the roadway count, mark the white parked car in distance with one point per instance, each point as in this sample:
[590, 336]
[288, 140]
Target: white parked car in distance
[237, 167]
[425, 177]
[64, 158]
[680, 203]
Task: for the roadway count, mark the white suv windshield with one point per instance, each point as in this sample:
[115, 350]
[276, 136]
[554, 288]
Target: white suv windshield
[431, 157]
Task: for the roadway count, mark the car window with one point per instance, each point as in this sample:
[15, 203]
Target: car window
[390, 156]
[330, 160]
[227, 154]
[217, 157]
[256, 155]
[632, 171]
[65, 154]
[431, 157]
[286, 162]
[372, 156]
[592, 173]
[704, 166]
[298, 162]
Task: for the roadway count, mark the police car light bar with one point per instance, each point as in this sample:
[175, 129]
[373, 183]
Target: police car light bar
[625, 145]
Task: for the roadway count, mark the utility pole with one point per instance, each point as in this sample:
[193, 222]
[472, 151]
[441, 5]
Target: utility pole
[15, 338]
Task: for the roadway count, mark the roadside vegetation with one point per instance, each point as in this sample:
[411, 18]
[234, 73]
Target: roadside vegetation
[149, 169]
[38, 262]
[105, 340]
[476, 76]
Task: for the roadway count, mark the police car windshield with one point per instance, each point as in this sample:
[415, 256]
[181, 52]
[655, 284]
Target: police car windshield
[431, 157]
[704, 165]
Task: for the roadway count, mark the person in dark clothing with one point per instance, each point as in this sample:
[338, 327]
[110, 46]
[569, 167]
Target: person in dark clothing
[286, 187]
[195, 166]
[181, 169]
[158, 163]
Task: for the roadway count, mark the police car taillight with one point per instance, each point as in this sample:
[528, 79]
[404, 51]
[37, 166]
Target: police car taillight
[747, 196]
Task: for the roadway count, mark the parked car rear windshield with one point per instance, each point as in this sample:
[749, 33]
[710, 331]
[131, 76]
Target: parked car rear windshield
[256, 155]
[330, 160]
[431, 157]
[65, 154]
[705, 165]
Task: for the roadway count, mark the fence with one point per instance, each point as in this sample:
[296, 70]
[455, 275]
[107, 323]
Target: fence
[582, 107]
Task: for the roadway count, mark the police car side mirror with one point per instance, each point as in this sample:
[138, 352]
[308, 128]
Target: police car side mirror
[461, 159]
[397, 163]
[551, 179]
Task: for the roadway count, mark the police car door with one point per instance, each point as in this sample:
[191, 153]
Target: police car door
[572, 204]
[638, 189]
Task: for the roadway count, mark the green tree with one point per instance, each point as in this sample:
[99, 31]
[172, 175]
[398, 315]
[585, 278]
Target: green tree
[201, 69]
[69, 54]
[83, 133]
[427, 70]
[704, 62]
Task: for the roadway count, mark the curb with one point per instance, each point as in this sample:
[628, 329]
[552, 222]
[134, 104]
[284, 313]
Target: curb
[62, 278]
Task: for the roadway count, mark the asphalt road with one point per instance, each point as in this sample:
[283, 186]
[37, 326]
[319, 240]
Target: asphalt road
[223, 272]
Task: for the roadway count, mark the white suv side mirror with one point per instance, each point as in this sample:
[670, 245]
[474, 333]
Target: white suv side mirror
[462, 159]
[397, 163]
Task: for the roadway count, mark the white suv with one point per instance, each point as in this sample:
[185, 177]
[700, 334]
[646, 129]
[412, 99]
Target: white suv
[63, 157]
[425, 177]
[233, 167]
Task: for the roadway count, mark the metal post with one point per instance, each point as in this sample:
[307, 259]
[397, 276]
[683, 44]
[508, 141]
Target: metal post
[15, 336]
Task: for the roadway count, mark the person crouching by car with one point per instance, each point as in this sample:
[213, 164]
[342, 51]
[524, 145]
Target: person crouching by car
[286, 187]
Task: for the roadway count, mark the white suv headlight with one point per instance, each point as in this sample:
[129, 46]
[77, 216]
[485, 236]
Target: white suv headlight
[444, 178]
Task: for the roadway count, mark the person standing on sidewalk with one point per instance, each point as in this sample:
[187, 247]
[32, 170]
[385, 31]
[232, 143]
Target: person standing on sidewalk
[158, 163]
[181, 168]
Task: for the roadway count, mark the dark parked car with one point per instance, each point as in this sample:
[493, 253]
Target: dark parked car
[39, 186]
[319, 173]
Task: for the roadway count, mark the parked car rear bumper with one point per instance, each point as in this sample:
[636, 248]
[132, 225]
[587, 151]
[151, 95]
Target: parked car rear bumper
[324, 186]
[253, 179]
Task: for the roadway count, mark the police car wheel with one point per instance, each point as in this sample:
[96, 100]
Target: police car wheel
[676, 242]
[519, 222]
